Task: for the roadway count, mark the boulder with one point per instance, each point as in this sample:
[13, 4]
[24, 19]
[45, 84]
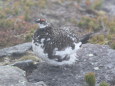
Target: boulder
[99, 59]
[15, 50]
[24, 64]
[13, 76]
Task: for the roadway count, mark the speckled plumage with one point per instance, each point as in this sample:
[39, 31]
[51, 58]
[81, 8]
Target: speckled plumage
[55, 46]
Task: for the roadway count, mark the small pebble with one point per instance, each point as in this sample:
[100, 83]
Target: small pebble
[96, 68]
[90, 55]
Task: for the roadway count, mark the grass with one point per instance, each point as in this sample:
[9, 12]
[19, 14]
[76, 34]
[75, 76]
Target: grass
[8, 60]
[94, 5]
[29, 57]
[97, 24]
[104, 84]
[97, 4]
[90, 79]
[90, 23]
[15, 30]
[100, 39]
[16, 17]
[15, 22]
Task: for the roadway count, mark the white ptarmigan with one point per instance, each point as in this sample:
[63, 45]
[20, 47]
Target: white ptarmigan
[53, 45]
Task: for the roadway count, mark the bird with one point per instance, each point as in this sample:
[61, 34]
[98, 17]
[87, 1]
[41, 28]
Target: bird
[55, 46]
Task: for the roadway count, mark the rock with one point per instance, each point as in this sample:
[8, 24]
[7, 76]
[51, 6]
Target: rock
[23, 64]
[27, 65]
[110, 9]
[90, 54]
[15, 50]
[109, 6]
[13, 76]
[96, 68]
[41, 83]
[101, 62]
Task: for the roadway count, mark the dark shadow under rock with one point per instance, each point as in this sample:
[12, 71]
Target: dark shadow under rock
[27, 66]
[15, 51]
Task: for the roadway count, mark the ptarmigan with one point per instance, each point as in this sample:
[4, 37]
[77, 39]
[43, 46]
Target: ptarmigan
[54, 46]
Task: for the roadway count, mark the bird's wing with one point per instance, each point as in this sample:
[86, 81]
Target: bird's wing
[60, 47]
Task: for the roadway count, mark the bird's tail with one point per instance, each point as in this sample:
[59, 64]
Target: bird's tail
[86, 37]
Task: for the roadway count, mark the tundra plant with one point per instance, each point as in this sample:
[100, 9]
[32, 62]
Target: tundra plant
[104, 84]
[90, 79]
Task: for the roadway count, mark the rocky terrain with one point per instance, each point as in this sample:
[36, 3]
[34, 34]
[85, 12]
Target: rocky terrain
[13, 76]
[20, 67]
[90, 58]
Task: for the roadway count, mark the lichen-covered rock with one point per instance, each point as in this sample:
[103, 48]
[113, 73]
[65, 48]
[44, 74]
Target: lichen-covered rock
[13, 76]
[91, 58]
[15, 50]
[24, 64]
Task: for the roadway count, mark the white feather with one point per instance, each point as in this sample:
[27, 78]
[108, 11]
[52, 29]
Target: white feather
[39, 51]
[42, 25]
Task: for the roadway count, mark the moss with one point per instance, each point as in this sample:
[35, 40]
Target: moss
[9, 60]
[98, 39]
[90, 23]
[29, 57]
[90, 79]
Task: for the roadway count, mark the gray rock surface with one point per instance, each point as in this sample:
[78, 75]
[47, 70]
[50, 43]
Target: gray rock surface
[13, 76]
[23, 64]
[15, 50]
[91, 58]
[109, 7]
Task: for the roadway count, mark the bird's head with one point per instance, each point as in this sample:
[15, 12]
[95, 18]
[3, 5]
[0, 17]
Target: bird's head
[42, 23]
